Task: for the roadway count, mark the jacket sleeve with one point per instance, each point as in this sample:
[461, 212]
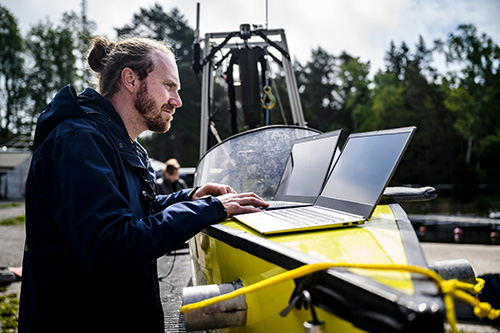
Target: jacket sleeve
[80, 172]
[163, 201]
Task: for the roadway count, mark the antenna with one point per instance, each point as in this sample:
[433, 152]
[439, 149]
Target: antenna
[84, 16]
[196, 45]
[197, 31]
[267, 14]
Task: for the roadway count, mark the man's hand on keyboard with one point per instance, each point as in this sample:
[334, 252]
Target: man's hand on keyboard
[239, 203]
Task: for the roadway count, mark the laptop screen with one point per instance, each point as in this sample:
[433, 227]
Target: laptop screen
[307, 168]
[363, 170]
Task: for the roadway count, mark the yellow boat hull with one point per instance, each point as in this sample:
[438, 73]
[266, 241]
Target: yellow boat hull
[230, 251]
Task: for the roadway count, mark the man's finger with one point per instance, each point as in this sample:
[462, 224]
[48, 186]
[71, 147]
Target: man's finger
[228, 189]
[249, 199]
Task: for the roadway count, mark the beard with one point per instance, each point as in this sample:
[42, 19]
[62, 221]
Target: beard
[150, 112]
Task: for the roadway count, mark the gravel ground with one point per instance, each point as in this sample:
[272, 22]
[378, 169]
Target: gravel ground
[176, 268]
[483, 258]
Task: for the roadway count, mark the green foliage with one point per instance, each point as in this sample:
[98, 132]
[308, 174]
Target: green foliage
[81, 31]
[473, 98]
[354, 92]
[9, 310]
[457, 114]
[12, 85]
[49, 57]
[10, 205]
[460, 102]
[388, 102]
[155, 23]
[316, 81]
[51, 50]
[14, 220]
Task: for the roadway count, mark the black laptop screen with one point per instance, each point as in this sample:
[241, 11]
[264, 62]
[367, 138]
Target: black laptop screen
[307, 167]
[364, 168]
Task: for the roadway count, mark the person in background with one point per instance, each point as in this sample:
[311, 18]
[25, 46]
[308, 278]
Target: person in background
[170, 181]
[94, 224]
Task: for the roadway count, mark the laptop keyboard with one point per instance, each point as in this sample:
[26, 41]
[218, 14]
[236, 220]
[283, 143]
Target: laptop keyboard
[275, 204]
[279, 204]
[306, 216]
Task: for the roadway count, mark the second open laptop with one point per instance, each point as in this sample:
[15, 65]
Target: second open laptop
[306, 170]
[351, 193]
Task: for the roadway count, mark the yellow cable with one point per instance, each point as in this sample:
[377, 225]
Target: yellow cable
[450, 289]
[288, 275]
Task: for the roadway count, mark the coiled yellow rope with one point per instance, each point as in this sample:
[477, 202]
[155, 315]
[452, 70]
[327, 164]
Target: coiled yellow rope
[449, 289]
[269, 101]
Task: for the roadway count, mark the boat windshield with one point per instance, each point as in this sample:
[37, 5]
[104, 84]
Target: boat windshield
[251, 161]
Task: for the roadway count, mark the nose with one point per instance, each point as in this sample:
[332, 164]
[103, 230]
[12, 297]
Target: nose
[176, 101]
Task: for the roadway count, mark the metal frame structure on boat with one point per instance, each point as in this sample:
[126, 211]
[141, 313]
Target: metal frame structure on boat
[224, 41]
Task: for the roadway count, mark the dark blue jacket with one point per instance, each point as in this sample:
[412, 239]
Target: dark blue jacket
[93, 227]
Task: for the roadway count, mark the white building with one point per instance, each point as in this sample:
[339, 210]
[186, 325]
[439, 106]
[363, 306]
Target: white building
[14, 166]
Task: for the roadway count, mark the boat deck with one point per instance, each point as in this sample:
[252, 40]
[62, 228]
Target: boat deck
[171, 287]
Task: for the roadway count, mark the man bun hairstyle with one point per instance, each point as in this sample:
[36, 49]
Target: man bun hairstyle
[99, 53]
[108, 59]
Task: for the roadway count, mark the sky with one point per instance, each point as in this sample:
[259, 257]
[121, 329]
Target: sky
[362, 28]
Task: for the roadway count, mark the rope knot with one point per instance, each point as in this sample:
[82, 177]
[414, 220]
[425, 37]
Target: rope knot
[478, 286]
[448, 286]
[484, 309]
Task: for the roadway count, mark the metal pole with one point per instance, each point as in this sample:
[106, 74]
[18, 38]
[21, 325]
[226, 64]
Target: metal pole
[205, 100]
[291, 85]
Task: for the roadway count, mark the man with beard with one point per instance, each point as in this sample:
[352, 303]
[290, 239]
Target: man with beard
[94, 224]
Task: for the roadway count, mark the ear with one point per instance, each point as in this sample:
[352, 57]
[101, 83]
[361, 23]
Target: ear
[129, 80]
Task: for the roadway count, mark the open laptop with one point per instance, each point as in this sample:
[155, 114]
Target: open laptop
[351, 193]
[306, 170]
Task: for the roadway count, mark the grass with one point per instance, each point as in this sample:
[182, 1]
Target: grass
[14, 220]
[10, 205]
[9, 302]
[9, 310]
[21, 219]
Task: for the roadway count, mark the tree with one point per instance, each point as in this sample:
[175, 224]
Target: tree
[52, 63]
[479, 57]
[157, 24]
[388, 102]
[397, 60]
[334, 90]
[407, 94]
[317, 81]
[353, 91]
[57, 57]
[82, 31]
[13, 88]
[422, 60]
